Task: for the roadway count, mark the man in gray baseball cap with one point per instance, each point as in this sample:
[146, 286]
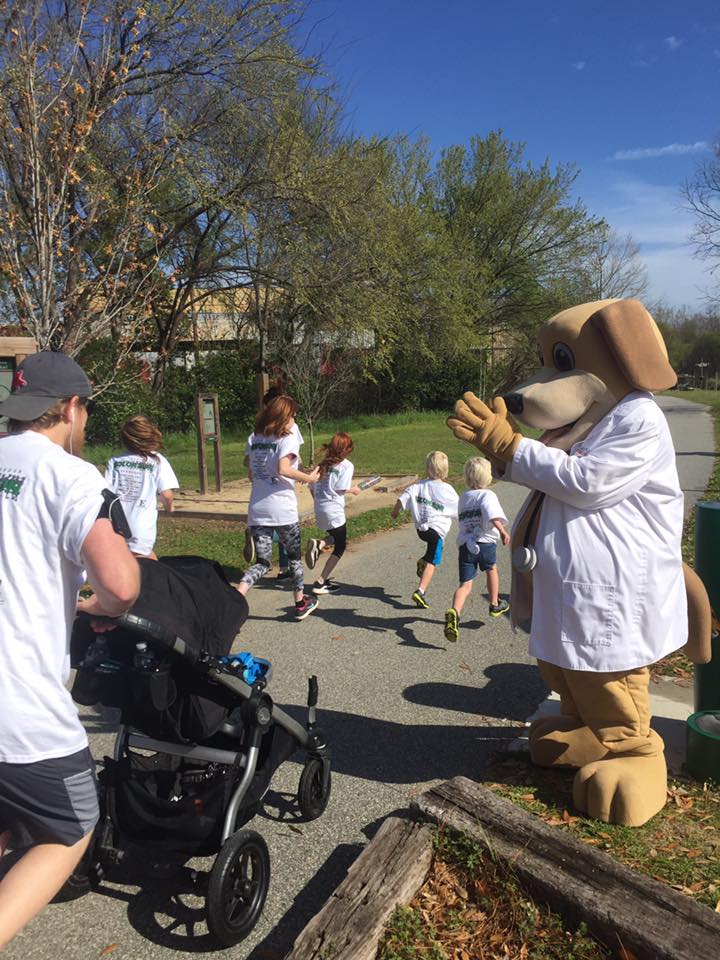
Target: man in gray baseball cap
[52, 527]
[39, 381]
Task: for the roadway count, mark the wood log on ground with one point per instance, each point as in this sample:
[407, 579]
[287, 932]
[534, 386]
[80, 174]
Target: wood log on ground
[388, 872]
[622, 908]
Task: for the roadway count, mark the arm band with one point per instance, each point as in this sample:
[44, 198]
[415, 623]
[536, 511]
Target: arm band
[112, 510]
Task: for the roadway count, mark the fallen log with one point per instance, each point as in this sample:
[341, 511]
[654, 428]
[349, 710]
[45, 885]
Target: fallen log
[388, 872]
[622, 908]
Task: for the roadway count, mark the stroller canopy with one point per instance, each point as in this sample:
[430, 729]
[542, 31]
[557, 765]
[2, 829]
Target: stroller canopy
[191, 597]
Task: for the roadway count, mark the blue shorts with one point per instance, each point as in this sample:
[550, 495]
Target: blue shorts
[435, 544]
[470, 563]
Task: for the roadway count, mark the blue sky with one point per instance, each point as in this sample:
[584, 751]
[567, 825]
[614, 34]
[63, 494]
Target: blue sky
[627, 91]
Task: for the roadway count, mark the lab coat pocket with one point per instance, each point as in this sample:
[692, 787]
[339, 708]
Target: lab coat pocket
[588, 613]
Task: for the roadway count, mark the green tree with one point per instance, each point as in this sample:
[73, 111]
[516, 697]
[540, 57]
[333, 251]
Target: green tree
[525, 238]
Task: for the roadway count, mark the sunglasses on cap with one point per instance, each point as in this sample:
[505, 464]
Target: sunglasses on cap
[88, 403]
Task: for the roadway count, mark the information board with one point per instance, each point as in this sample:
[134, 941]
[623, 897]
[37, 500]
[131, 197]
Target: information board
[207, 421]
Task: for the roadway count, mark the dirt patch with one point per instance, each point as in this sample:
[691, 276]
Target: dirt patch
[470, 908]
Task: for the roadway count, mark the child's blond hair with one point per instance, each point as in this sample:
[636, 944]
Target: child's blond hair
[478, 473]
[436, 465]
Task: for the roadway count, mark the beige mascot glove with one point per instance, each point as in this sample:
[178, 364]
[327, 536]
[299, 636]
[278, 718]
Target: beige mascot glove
[491, 430]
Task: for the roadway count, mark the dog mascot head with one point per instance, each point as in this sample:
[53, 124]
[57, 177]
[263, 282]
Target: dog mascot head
[591, 357]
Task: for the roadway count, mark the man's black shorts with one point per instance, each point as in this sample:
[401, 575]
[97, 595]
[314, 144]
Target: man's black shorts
[50, 801]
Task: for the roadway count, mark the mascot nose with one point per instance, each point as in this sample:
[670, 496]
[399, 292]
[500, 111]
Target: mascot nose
[514, 403]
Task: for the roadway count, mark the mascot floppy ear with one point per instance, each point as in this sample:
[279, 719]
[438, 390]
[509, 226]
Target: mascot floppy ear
[633, 338]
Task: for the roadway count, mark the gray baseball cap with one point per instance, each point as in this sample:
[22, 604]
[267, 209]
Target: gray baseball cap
[39, 381]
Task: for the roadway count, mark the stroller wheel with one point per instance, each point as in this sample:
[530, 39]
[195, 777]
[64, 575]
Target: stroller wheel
[237, 887]
[313, 794]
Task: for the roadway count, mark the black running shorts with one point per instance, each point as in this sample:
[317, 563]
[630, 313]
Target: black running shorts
[50, 801]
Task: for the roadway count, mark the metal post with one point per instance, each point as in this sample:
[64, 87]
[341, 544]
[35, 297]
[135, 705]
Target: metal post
[707, 565]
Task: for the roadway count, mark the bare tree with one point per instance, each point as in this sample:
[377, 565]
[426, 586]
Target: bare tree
[91, 145]
[702, 194]
[316, 371]
[614, 266]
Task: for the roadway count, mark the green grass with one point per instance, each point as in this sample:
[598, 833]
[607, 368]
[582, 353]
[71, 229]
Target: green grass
[388, 444]
[679, 846]
[222, 540]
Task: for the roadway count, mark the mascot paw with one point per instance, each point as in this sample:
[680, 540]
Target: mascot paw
[563, 742]
[625, 790]
[489, 429]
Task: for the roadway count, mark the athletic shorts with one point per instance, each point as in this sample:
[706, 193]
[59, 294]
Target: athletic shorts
[470, 563]
[435, 543]
[49, 801]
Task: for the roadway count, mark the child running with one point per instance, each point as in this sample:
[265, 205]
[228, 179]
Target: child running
[336, 473]
[433, 503]
[482, 523]
[139, 476]
[249, 549]
[273, 451]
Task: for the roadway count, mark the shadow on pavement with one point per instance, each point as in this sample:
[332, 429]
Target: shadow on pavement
[514, 692]
[386, 751]
[307, 903]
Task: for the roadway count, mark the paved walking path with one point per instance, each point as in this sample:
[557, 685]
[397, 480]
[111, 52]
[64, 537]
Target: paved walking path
[402, 709]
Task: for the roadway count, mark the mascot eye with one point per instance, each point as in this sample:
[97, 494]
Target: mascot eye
[563, 357]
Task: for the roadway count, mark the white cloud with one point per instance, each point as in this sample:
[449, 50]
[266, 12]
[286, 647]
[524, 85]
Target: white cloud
[655, 216]
[669, 150]
[578, 65]
[673, 43]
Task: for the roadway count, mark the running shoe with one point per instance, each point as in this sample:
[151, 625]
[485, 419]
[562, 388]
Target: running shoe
[419, 600]
[283, 575]
[312, 552]
[249, 548]
[498, 609]
[421, 564]
[452, 625]
[305, 607]
[329, 586]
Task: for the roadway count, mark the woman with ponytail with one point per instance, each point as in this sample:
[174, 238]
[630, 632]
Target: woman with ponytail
[336, 473]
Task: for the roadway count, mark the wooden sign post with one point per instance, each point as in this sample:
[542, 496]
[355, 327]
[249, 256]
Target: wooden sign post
[207, 420]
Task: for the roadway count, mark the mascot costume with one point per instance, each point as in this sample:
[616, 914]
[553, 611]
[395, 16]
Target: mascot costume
[597, 570]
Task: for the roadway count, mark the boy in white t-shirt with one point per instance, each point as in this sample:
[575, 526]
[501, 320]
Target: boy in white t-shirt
[433, 504]
[481, 522]
[139, 476]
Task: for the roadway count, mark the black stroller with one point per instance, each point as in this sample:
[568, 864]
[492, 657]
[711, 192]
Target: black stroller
[199, 738]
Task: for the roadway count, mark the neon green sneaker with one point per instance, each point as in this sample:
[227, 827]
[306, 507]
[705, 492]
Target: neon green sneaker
[499, 608]
[419, 600]
[452, 625]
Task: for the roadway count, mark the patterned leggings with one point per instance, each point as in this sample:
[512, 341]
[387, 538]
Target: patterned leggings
[289, 537]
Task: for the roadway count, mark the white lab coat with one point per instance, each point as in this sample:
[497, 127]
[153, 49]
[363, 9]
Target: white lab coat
[608, 588]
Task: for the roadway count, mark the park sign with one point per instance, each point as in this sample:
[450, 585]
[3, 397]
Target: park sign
[207, 421]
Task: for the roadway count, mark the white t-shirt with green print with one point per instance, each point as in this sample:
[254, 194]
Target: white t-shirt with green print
[329, 495]
[138, 480]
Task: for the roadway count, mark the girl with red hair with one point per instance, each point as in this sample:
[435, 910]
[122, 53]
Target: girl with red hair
[272, 455]
[336, 473]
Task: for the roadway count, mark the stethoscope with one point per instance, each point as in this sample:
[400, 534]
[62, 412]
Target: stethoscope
[524, 558]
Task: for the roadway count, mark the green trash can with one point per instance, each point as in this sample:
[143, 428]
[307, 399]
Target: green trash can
[703, 745]
[707, 566]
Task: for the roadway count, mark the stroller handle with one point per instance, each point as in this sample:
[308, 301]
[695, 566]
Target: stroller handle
[160, 635]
